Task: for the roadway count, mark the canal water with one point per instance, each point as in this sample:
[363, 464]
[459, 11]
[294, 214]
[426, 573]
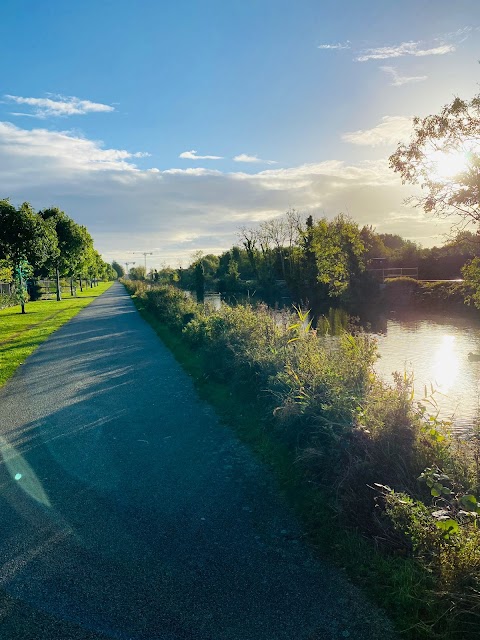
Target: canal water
[434, 351]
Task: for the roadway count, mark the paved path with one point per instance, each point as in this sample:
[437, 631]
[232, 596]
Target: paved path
[129, 512]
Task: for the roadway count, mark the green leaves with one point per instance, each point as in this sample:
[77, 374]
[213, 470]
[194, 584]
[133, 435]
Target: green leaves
[448, 527]
[339, 251]
[470, 503]
[25, 235]
[455, 507]
[436, 480]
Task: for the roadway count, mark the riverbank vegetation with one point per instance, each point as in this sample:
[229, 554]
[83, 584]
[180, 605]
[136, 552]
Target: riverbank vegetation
[331, 263]
[45, 244]
[378, 480]
[21, 334]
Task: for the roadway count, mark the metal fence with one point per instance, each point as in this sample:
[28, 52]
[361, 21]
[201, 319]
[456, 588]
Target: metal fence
[5, 288]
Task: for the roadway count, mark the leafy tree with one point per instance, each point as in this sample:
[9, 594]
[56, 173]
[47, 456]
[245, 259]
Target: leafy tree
[119, 270]
[137, 273]
[339, 253]
[73, 244]
[373, 243]
[233, 275]
[6, 271]
[210, 266]
[443, 158]
[471, 275]
[200, 280]
[167, 275]
[95, 267]
[26, 238]
[464, 243]
[391, 241]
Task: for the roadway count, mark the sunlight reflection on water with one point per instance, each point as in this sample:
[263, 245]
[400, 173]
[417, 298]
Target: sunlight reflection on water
[436, 352]
[446, 365]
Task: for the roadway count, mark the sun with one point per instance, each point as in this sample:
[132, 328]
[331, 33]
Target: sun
[445, 165]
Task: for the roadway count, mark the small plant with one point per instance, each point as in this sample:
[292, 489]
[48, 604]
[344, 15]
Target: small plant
[302, 326]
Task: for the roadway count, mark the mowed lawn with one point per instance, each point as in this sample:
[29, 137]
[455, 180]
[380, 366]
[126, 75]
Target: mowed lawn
[21, 334]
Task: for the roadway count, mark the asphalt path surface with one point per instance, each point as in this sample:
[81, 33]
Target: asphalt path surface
[128, 511]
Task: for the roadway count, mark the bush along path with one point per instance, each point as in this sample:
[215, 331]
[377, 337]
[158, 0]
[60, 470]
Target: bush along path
[380, 485]
[128, 511]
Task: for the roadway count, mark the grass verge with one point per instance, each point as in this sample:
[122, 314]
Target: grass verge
[397, 584]
[21, 334]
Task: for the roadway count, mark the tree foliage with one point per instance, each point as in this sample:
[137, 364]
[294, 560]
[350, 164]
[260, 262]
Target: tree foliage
[443, 158]
[46, 243]
[25, 236]
[471, 275]
[119, 270]
[339, 251]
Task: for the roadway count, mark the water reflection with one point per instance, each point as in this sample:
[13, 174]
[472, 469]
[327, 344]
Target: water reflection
[436, 351]
[446, 364]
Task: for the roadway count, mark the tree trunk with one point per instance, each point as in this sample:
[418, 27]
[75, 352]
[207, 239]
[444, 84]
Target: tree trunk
[59, 292]
[71, 287]
[81, 284]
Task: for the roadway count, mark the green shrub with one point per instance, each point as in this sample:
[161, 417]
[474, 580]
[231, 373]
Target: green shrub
[436, 295]
[171, 305]
[7, 300]
[402, 281]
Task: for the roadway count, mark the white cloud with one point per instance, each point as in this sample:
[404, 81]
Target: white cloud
[192, 155]
[404, 49]
[391, 130]
[61, 149]
[398, 80]
[57, 105]
[338, 45]
[181, 210]
[244, 157]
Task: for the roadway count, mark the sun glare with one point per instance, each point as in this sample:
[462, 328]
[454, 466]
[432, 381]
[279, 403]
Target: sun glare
[447, 165]
[446, 364]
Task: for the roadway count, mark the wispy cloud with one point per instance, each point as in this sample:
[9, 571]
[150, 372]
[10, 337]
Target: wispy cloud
[338, 45]
[192, 155]
[391, 130]
[244, 157]
[57, 105]
[410, 48]
[398, 80]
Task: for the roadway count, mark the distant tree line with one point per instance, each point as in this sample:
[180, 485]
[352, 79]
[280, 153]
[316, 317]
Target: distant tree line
[46, 244]
[318, 262]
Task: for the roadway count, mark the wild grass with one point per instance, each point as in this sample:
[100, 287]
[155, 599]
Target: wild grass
[378, 482]
[21, 334]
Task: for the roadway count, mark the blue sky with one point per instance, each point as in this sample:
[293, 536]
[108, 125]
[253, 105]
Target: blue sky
[272, 104]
